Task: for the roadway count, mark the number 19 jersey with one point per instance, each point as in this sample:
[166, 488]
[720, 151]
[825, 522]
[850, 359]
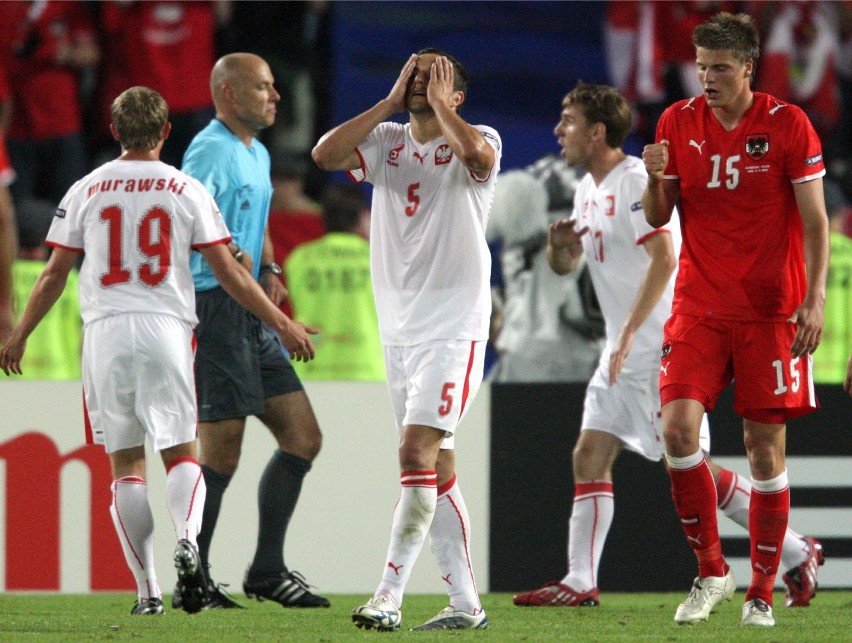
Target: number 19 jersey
[136, 222]
[430, 263]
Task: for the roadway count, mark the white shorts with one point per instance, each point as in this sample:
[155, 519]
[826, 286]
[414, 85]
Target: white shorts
[434, 383]
[138, 380]
[630, 410]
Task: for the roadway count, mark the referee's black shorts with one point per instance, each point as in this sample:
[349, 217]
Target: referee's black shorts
[239, 361]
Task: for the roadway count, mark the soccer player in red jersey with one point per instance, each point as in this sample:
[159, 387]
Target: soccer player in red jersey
[746, 171]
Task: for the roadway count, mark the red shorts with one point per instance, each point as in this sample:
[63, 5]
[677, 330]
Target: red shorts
[701, 356]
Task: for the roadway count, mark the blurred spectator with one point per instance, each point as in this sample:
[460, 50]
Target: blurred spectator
[830, 358]
[5, 102]
[330, 289]
[839, 149]
[55, 347]
[675, 22]
[292, 37]
[547, 328]
[650, 55]
[294, 217]
[8, 243]
[800, 45]
[167, 46]
[44, 46]
[634, 55]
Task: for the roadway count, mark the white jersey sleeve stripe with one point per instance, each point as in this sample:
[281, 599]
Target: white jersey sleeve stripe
[644, 238]
[210, 244]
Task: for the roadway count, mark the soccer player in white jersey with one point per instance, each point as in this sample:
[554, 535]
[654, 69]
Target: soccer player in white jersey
[632, 266]
[137, 219]
[434, 181]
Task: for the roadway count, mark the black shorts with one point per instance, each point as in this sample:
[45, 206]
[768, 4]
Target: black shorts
[239, 361]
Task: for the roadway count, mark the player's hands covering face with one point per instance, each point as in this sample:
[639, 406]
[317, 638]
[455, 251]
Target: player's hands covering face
[399, 92]
[441, 80]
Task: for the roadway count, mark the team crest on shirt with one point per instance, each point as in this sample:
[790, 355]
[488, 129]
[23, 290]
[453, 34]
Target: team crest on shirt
[393, 155]
[757, 146]
[443, 154]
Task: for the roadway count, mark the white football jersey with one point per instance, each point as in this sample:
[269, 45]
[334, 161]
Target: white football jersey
[431, 266]
[617, 259]
[137, 222]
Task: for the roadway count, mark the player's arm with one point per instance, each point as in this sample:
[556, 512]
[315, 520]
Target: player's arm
[240, 285]
[8, 249]
[467, 142]
[336, 148]
[269, 281]
[808, 317]
[48, 287]
[660, 195]
[564, 247]
[663, 263]
[847, 383]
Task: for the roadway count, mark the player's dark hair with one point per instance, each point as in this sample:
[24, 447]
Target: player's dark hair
[139, 115]
[460, 78]
[734, 33]
[603, 104]
[341, 207]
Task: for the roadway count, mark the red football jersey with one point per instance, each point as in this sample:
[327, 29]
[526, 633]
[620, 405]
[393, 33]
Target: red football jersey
[742, 255]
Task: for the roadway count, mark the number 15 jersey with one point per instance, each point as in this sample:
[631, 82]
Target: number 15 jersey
[136, 222]
[430, 263]
[742, 255]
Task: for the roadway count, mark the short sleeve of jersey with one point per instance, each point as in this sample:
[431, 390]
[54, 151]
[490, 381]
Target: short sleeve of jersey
[370, 150]
[208, 166]
[664, 132]
[66, 229]
[519, 209]
[804, 160]
[209, 227]
[632, 188]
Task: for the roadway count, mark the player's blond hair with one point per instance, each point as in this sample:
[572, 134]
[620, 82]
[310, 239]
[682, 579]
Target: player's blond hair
[139, 115]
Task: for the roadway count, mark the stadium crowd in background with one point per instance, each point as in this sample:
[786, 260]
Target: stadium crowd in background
[546, 328]
[830, 359]
[294, 216]
[63, 61]
[55, 346]
[329, 285]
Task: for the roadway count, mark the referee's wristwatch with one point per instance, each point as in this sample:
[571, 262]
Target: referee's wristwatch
[274, 268]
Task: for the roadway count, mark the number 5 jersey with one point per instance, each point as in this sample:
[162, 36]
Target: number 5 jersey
[431, 266]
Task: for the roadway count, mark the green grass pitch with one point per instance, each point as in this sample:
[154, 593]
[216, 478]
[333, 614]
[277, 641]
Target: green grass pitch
[621, 617]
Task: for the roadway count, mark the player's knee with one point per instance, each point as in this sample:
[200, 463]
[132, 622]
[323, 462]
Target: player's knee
[588, 463]
[681, 441]
[224, 459]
